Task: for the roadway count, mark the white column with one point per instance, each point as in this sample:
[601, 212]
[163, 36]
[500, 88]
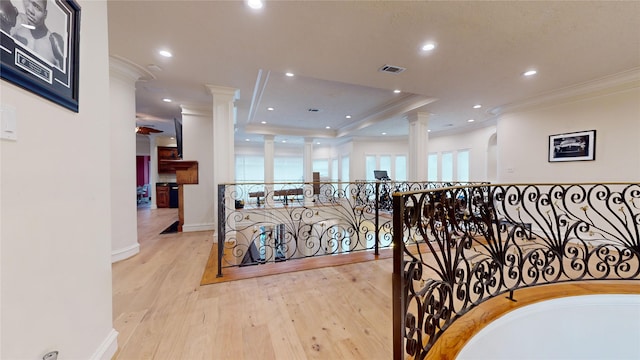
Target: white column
[307, 159]
[269, 154]
[223, 139]
[122, 104]
[418, 149]
[307, 165]
[268, 158]
[198, 145]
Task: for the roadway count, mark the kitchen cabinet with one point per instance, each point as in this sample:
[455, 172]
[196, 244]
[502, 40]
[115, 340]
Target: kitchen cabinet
[166, 153]
[162, 196]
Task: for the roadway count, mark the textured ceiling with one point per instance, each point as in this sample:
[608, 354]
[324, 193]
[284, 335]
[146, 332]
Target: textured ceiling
[335, 48]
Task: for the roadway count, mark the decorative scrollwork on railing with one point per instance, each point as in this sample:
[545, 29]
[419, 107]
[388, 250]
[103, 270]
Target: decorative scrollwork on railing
[265, 223]
[461, 246]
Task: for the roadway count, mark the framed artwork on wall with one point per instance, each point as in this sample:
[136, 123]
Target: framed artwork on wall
[39, 48]
[575, 146]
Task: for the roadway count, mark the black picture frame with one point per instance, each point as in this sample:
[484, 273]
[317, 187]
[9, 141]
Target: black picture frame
[574, 146]
[43, 59]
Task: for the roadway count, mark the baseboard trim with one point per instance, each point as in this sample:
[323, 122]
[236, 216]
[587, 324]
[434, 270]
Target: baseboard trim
[121, 254]
[108, 348]
[198, 227]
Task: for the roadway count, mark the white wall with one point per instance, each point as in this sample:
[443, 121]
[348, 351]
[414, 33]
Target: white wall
[56, 214]
[569, 328]
[476, 141]
[362, 148]
[523, 138]
[197, 130]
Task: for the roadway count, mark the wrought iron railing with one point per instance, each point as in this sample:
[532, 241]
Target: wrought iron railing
[457, 247]
[262, 223]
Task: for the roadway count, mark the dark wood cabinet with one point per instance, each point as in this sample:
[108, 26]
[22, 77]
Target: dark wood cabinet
[166, 153]
[162, 196]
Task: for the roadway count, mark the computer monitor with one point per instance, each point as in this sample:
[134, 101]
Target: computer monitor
[380, 174]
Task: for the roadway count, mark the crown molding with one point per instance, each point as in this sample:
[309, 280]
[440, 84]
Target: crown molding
[128, 70]
[609, 84]
[286, 131]
[402, 106]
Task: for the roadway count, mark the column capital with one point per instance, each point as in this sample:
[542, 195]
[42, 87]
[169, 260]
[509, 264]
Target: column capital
[222, 90]
[196, 109]
[415, 116]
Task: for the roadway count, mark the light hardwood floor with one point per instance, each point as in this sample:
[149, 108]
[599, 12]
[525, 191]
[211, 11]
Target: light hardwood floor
[161, 311]
[339, 312]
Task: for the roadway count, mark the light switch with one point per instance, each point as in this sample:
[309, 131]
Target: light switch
[8, 123]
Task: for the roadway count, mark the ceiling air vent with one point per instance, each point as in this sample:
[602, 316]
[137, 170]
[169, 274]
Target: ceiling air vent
[313, 110]
[392, 69]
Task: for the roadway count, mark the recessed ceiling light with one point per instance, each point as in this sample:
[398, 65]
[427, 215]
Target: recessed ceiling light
[428, 46]
[289, 74]
[255, 4]
[263, 122]
[318, 143]
[397, 91]
[348, 116]
[477, 106]
[327, 127]
[247, 139]
[384, 133]
[166, 100]
[470, 120]
[165, 53]
[428, 130]
[270, 109]
[530, 73]
[284, 141]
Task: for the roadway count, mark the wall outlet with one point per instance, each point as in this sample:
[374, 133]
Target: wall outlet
[51, 355]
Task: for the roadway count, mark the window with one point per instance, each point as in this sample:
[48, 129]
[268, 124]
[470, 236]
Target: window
[432, 167]
[447, 166]
[401, 168]
[345, 169]
[463, 165]
[249, 168]
[334, 169]
[370, 165]
[385, 164]
[287, 169]
[321, 166]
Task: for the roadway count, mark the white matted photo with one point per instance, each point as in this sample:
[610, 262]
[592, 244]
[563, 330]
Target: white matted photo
[39, 52]
[576, 146]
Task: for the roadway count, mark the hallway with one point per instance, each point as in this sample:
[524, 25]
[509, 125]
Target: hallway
[161, 311]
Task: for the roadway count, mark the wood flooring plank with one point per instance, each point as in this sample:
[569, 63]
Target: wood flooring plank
[257, 342]
[161, 310]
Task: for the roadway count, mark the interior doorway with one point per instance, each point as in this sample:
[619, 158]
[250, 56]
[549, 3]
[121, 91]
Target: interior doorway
[143, 188]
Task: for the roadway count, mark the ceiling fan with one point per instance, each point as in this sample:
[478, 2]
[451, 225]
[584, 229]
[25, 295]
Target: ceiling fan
[146, 130]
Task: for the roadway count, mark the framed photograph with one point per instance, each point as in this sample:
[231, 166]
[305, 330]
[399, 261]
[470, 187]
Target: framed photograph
[39, 48]
[576, 146]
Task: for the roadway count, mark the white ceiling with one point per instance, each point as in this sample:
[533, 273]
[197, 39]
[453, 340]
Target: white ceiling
[335, 49]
